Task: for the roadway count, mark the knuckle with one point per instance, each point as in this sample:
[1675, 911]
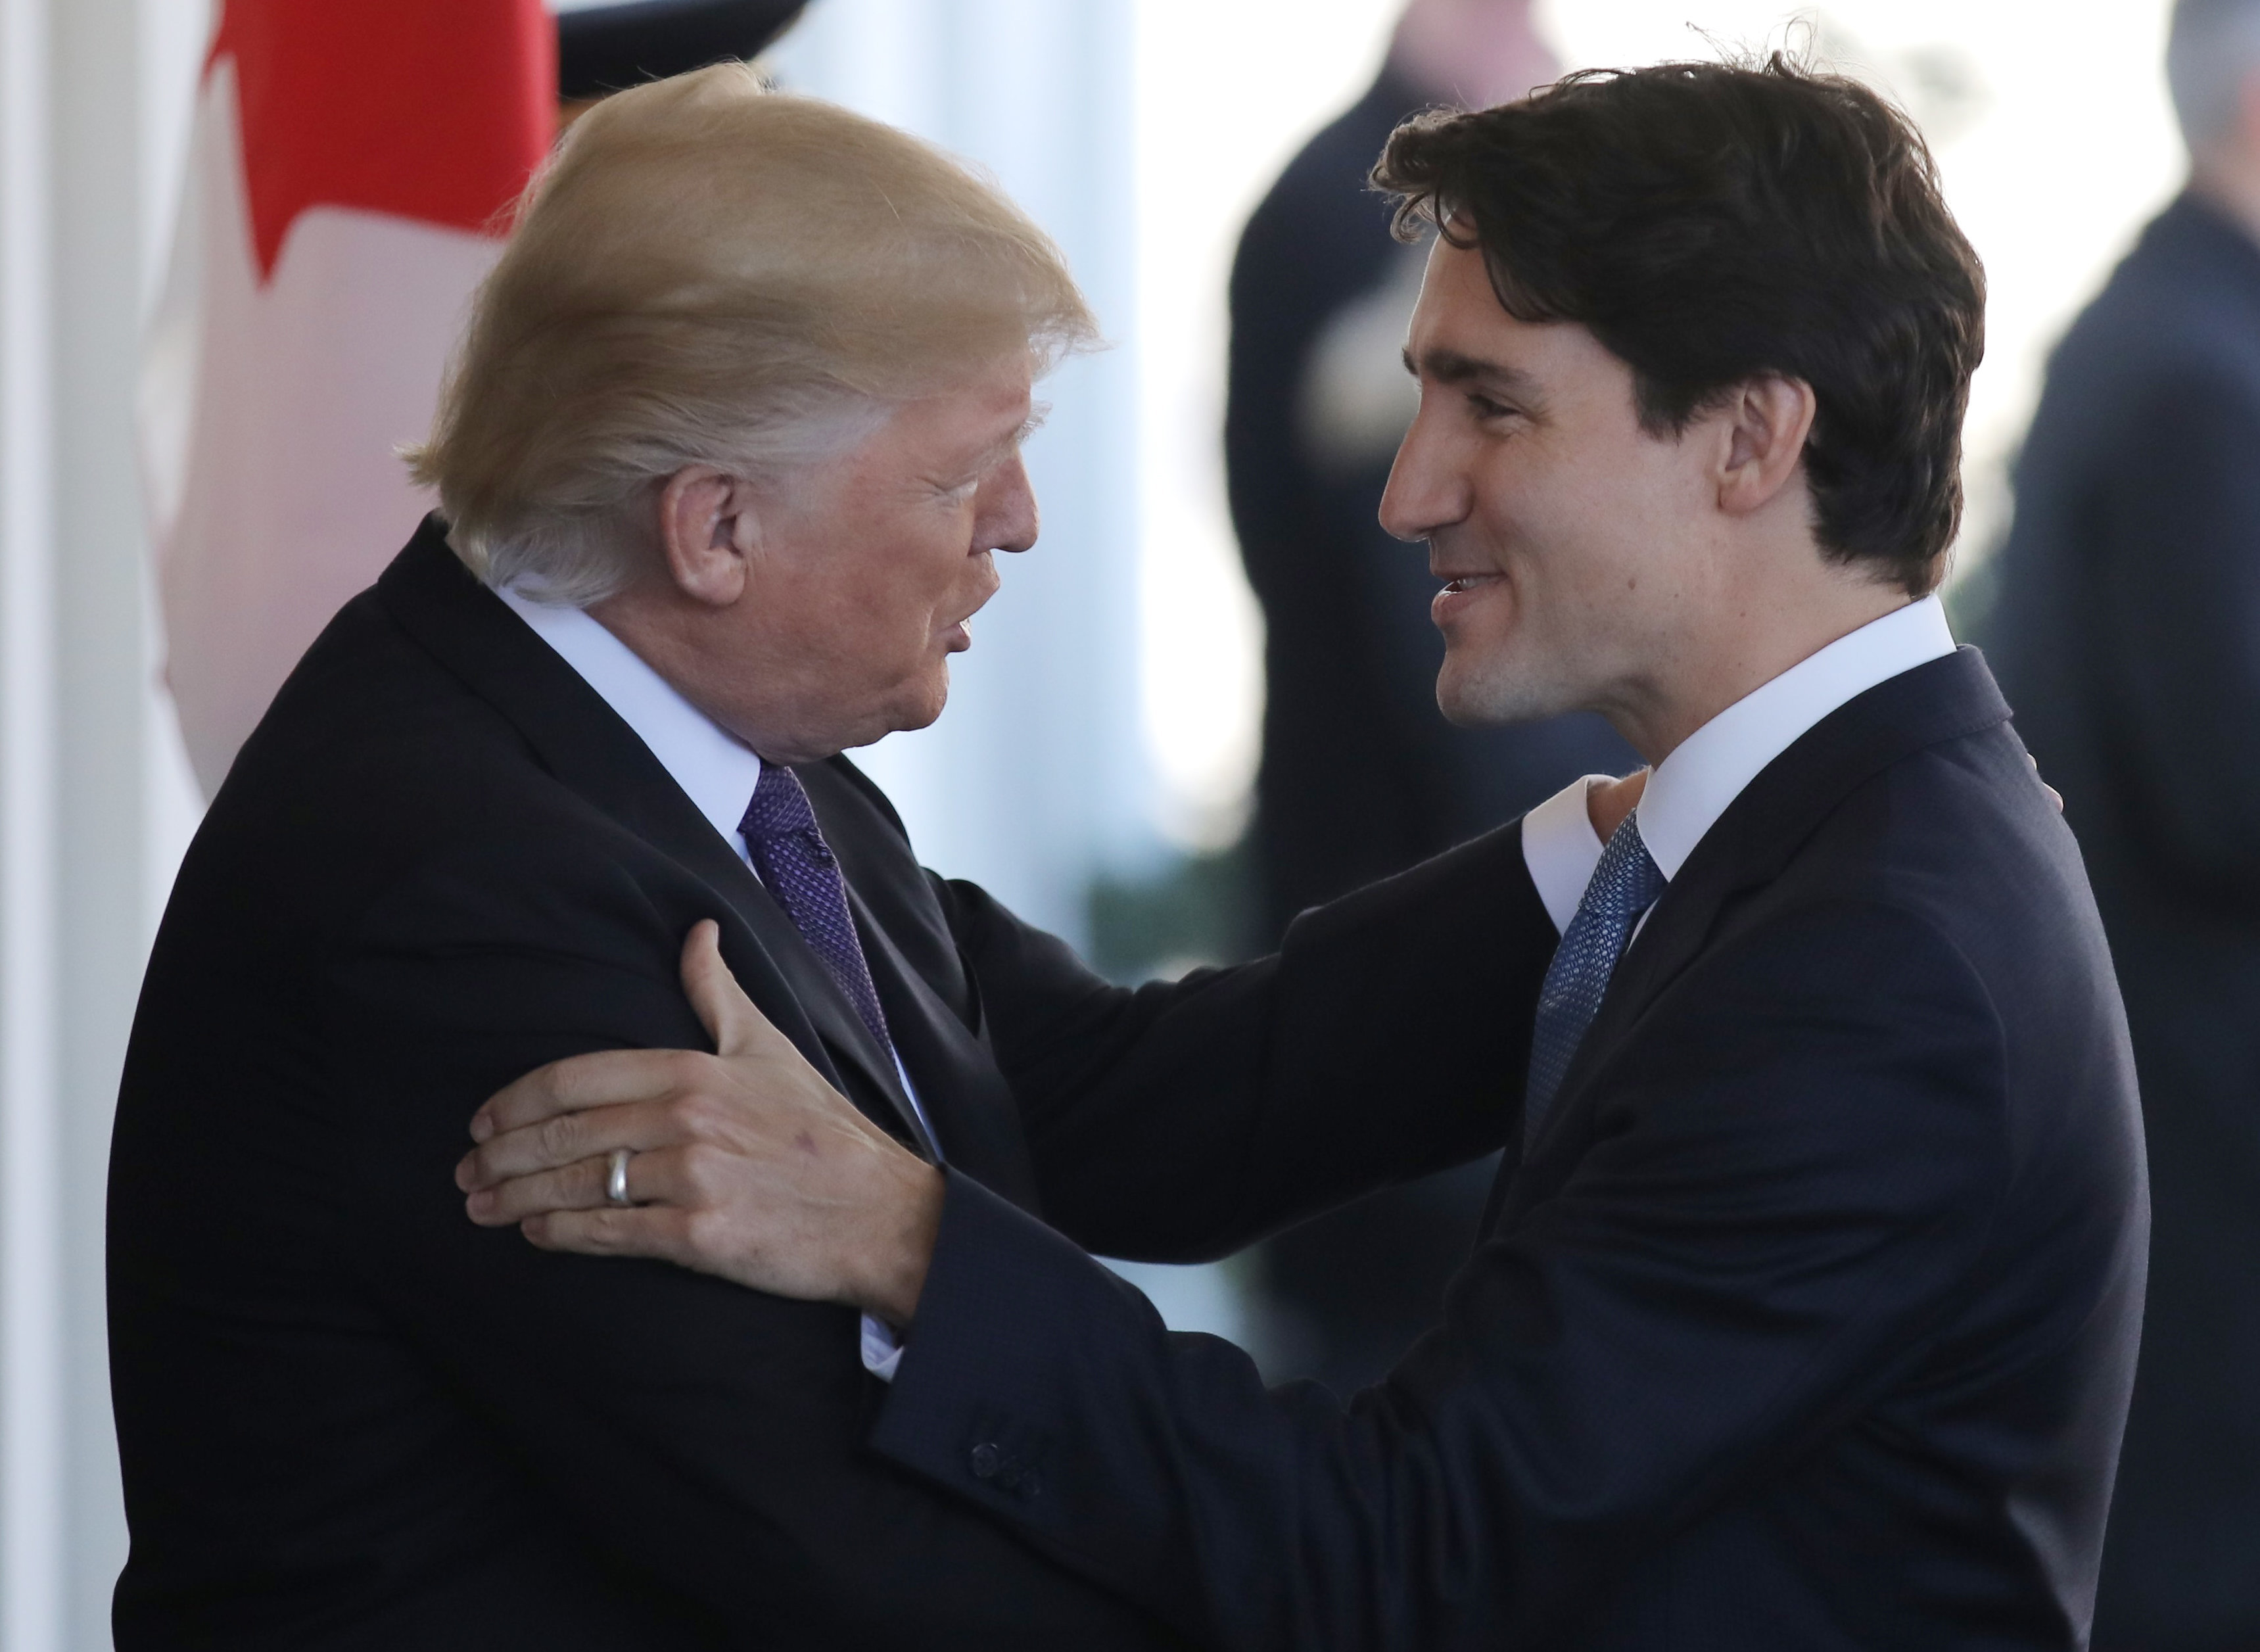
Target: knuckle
[702, 1168]
[560, 1138]
[695, 1114]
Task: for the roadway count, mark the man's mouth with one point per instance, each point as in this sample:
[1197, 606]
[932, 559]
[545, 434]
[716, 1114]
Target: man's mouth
[1470, 582]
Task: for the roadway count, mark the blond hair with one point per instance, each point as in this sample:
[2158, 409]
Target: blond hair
[712, 272]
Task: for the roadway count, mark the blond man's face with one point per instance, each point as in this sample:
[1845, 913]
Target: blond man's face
[871, 567]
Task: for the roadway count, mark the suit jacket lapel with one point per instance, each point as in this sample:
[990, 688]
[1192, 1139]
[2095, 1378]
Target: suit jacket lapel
[1760, 833]
[973, 1110]
[582, 741]
[923, 984]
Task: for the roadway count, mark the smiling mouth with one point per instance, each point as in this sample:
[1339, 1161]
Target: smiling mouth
[1471, 582]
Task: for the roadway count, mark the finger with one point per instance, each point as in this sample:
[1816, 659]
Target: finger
[659, 1175]
[566, 1139]
[580, 1186]
[653, 1230]
[730, 1017]
[602, 1078]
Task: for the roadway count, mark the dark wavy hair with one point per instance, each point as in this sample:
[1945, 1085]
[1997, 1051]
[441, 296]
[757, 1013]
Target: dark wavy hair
[1711, 223]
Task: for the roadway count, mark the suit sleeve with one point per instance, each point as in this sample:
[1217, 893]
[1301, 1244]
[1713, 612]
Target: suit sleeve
[2179, 613]
[1793, 1169]
[1182, 1120]
[706, 1439]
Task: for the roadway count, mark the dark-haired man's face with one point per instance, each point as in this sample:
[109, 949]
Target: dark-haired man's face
[1574, 545]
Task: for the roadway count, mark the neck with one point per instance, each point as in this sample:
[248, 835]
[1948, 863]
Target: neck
[2227, 179]
[682, 642]
[1706, 675]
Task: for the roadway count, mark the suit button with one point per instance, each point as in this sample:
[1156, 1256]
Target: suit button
[986, 1461]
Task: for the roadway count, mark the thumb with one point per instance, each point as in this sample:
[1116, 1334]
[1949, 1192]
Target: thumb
[728, 1014]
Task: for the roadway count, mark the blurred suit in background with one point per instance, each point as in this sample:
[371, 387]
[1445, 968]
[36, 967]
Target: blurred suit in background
[1361, 774]
[2127, 634]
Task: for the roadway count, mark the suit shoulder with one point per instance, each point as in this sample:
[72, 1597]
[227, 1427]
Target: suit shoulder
[1959, 830]
[1962, 838]
[377, 771]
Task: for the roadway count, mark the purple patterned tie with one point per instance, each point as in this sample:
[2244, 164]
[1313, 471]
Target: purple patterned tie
[797, 867]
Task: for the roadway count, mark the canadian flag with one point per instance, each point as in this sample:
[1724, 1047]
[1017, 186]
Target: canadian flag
[351, 167]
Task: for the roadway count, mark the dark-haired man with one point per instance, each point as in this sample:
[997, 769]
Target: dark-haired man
[1806, 1310]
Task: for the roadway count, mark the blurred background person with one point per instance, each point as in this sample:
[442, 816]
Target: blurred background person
[2126, 634]
[1360, 774]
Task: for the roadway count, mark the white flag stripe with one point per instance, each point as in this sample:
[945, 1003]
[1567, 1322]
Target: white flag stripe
[271, 419]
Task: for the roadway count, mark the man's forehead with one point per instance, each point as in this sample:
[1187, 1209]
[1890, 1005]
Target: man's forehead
[1461, 332]
[1459, 319]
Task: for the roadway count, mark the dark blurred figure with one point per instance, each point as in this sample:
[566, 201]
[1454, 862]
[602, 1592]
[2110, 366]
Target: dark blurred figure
[2127, 634]
[1361, 774]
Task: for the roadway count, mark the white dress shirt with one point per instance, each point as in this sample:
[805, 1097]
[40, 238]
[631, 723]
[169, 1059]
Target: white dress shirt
[1693, 786]
[717, 771]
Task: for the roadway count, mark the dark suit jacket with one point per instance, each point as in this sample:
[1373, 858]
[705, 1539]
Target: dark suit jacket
[348, 1418]
[2126, 630]
[1361, 774]
[1808, 1320]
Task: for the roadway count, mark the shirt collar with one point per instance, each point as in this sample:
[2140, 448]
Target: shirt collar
[1693, 786]
[717, 771]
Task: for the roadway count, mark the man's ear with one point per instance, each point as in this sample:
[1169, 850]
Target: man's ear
[708, 533]
[1767, 421]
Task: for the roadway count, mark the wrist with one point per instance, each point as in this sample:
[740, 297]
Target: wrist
[894, 1276]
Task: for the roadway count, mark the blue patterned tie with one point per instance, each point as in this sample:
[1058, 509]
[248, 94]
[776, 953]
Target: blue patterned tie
[1624, 885]
[797, 867]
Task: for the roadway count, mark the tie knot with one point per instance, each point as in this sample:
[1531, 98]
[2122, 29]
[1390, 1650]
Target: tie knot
[779, 808]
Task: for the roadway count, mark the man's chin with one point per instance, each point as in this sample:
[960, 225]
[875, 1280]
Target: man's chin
[1489, 699]
[917, 709]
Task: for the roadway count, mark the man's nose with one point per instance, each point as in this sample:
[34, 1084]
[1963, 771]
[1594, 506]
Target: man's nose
[1426, 490]
[1009, 517]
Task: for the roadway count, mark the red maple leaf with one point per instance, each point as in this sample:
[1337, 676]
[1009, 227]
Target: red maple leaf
[433, 109]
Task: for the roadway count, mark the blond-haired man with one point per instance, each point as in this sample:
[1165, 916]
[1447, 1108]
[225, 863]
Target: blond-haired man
[731, 442]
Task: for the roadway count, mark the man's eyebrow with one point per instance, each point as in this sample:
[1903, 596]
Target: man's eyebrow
[1450, 367]
[1008, 444]
[1019, 434]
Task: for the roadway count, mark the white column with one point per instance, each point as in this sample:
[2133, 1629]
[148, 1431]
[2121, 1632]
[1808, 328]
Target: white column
[102, 670]
[32, 1455]
[85, 181]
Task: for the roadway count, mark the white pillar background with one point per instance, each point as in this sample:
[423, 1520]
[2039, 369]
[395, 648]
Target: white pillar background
[93, 810]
